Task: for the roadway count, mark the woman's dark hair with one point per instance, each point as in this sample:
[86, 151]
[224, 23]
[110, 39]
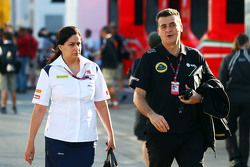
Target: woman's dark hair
[239, 41]
[61, 37]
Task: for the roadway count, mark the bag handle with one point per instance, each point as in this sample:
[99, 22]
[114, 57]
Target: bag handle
[113, 158]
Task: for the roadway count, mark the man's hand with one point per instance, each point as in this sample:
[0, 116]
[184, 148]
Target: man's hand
[194, 99]
[159, 122]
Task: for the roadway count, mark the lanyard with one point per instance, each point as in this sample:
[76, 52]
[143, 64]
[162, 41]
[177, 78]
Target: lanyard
[176, 71]
[82, 78]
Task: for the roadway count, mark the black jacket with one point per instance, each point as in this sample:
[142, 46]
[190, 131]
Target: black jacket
[235, 76]
[215, 108]
[109, 54]
[8, 61]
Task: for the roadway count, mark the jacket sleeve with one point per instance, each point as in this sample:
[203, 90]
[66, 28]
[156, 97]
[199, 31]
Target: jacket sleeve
[216, 102]
[223, 71]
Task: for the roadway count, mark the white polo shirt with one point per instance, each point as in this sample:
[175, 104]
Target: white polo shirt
[72, 112]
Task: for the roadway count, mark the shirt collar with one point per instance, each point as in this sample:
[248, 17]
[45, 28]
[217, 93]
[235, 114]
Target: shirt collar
[60, 62]
[182, 50]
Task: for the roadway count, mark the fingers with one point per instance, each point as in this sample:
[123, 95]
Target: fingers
[29, 158]
[159, 123]
[194, 99]
[187, 87]
[110, 144]
[162, 126]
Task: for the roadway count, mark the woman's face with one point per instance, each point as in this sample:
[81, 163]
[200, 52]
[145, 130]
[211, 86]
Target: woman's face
[72, 47]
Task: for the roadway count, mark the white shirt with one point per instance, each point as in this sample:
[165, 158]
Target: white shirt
[72, 112]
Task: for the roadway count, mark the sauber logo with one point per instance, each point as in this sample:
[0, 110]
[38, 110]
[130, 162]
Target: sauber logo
[161, 67]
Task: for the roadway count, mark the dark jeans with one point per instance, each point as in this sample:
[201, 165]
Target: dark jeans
[22, 74]
[64, 154]
[239, 150]
[188, 150]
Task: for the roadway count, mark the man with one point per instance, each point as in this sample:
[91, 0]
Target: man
[122, 54]
[234, 75]
[109, 64]
[8, 69]
[89, 45]
[173, 130]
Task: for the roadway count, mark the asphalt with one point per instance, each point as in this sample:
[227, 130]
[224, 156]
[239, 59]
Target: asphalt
[14, 131]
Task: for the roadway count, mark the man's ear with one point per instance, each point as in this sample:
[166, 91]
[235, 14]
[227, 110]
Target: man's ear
[181, 26]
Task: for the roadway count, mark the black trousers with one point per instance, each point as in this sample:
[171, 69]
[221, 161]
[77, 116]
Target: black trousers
[239, 115]
[188, 150]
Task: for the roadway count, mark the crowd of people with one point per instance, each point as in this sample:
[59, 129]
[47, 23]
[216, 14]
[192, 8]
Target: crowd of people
[182, 124]
[18, 51]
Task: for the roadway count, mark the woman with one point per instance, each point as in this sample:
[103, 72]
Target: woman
[76, 90]
[234, 75]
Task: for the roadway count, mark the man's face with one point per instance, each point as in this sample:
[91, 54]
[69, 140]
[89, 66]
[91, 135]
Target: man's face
[169, 29]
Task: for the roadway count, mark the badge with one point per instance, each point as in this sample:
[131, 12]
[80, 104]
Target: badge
[161, 67]
[175, 88]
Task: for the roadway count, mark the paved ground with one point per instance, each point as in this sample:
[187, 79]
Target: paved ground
[14, 128]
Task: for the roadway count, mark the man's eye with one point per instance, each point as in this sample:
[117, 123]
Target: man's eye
[172, 25]
[163, 26]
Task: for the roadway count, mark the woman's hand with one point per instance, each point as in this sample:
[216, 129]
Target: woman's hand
[110, 143]
[29, 152]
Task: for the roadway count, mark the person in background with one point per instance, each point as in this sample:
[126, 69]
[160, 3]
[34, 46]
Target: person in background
[32, 61]
[8, 69]
[89, 45]
[122, 53]
[8, 28]
[24, 48]
[76, 91]
[174, 129]
[1, 35]
[235, 76]
[45, 45]
[140, 120]
[109, 64]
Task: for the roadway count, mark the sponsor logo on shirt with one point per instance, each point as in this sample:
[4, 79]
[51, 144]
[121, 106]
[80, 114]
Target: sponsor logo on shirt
[38, 91]
[151, 51]
[161, 67]
[191, 65]
[62, 76]
[36, 96]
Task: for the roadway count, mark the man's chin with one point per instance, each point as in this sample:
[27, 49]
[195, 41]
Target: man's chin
[170, 42]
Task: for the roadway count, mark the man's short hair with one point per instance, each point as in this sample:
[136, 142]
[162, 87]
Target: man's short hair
[106, 29]
[153, 39]
[167, 12]
[7, 35]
